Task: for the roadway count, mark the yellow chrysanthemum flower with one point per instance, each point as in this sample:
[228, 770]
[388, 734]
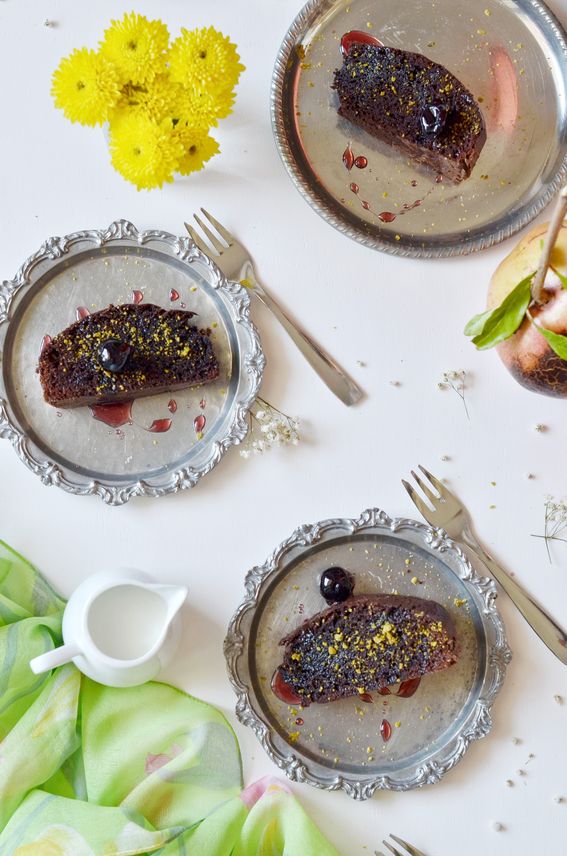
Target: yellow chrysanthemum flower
[206, 57]
[157, 99]
[137, 47]
[197, 108]
[85, 86]
[199, 148]
[143, 151]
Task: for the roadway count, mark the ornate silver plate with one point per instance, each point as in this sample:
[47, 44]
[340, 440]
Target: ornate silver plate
[339, 745]
[166, 442]
[512, 54]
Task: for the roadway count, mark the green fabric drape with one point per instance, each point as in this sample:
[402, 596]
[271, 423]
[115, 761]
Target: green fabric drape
[88, 770]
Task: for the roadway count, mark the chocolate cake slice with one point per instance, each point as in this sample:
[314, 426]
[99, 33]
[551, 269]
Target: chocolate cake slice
[125, 352]
[414, 104]
[365, 643]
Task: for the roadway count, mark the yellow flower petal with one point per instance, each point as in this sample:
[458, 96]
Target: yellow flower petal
[199, 148]
[85, 86]
[144, 152]
[137, 47]
[206, 57]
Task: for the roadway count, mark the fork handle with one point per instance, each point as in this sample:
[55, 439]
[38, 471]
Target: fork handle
[548, 631]
[330, 373]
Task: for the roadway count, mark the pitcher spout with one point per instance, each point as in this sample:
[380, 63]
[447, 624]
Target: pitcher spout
[173, 596]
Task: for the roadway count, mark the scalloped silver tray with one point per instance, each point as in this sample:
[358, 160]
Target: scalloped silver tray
[338, 745]
[86, 271]
[501, 49]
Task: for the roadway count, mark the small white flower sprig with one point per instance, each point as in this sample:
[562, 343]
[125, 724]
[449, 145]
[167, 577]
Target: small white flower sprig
[555, 522]
[269, 428]
[455, 380]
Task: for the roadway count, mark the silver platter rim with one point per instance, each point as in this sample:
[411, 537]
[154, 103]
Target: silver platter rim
[477, 725]
[57, 251]
[285, 59]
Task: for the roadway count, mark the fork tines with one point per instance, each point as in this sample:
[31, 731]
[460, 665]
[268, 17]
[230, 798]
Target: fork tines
[218, 245]
[434, 498]
[409, 848]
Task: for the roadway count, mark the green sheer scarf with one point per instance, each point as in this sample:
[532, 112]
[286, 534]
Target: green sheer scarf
[87, 770]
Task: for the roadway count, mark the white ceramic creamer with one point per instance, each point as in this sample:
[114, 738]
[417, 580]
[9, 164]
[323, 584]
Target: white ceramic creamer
[120, 628]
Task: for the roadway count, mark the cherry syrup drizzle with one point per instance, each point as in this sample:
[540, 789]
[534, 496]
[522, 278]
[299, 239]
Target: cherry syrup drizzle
[173, 295]
[82, 312]
[119, 413]
[160, 426]
[385, 730]
[45, 342]
[358, 37]
[199, 423]
[390, 216]
[405, 690]
[282, 689]
[137, 297]
[172, 405]
[114, 415]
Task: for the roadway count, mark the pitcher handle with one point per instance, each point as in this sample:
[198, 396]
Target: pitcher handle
[53, 659]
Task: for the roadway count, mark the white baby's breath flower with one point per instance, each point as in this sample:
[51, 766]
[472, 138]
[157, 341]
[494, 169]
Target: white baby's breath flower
[269, 429]
[555, 522]
[455, 380]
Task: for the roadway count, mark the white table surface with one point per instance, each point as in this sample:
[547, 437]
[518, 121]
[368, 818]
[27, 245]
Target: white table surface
[403, 319]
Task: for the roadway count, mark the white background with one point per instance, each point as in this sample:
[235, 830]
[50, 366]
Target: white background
[403, 319]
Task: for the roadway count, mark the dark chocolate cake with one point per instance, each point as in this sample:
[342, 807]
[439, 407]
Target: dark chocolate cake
[125, 352]
[365, 643]
[414, 104]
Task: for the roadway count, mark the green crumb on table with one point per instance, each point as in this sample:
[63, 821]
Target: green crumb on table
[293, 736]
[459, 601]
[397, 724]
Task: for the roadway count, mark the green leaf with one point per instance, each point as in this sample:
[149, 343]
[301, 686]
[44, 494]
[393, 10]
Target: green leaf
[562, 278]
[476, 324]
[502, 322]
[556, 341]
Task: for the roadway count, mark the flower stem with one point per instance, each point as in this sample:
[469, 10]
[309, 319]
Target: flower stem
[538, 292]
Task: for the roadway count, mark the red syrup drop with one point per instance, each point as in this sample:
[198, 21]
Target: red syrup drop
[409, 206]
[354, 187]
[365, 205]
[413, 182]
[361, 162]
[199, 423]
[283, 690]
[137, 297]
[385, 730]
[387, 216]
[160, 426]
[358, 37]
[114, 415]
[383, 691]
[366, 697]
[82, 312]
[348, 157]
[202, 403]
[172, 405]
[173, 295]
[45, 342]
[300, 721]
[408, 688]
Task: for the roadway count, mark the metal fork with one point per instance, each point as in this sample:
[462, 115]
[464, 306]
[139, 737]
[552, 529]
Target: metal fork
[409, 848]
[449, 514]
[235, 262]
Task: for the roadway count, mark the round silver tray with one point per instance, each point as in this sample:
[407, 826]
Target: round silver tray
[505, 51]
[338, 746]
[170, 440]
